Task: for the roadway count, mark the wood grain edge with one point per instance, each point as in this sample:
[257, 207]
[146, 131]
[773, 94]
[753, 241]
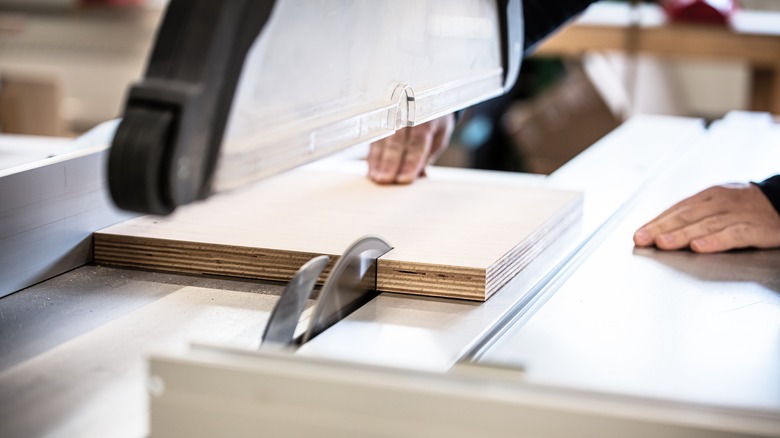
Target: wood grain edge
[277, 265]
[510, 264]
[200, 258]
[431, 280]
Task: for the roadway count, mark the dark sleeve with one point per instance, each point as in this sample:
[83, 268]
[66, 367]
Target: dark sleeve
[542, 17]
[771, 189]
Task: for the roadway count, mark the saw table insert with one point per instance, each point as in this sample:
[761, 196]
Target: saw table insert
[461, 239]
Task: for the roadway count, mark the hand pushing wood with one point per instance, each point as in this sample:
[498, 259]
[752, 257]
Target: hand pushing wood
[717, 219]
[402, 157]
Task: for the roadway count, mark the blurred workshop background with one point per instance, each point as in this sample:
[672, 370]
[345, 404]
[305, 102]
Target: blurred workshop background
[65, 66]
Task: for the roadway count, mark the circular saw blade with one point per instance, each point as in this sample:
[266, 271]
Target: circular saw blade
[351, 283]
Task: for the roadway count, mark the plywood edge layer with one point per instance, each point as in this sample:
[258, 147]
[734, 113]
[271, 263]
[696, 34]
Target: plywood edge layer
[199, 258]
[431, 280]
[506, 266]
[277, 265]
[516, 259]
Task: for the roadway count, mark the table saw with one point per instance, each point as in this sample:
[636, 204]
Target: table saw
[593, 337]
[614, 340]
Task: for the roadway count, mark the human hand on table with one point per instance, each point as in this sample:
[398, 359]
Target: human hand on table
[402, 157]
[717, 219]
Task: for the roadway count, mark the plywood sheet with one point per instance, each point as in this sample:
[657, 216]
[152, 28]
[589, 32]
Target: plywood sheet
[461, 239]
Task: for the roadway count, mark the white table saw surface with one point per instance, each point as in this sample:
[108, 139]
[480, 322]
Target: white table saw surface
[668, 325]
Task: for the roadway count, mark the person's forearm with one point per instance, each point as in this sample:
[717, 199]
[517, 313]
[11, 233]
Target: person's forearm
[771, 189]
[543, 17]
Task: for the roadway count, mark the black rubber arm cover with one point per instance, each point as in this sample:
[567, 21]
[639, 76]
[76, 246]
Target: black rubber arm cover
[166, 147]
